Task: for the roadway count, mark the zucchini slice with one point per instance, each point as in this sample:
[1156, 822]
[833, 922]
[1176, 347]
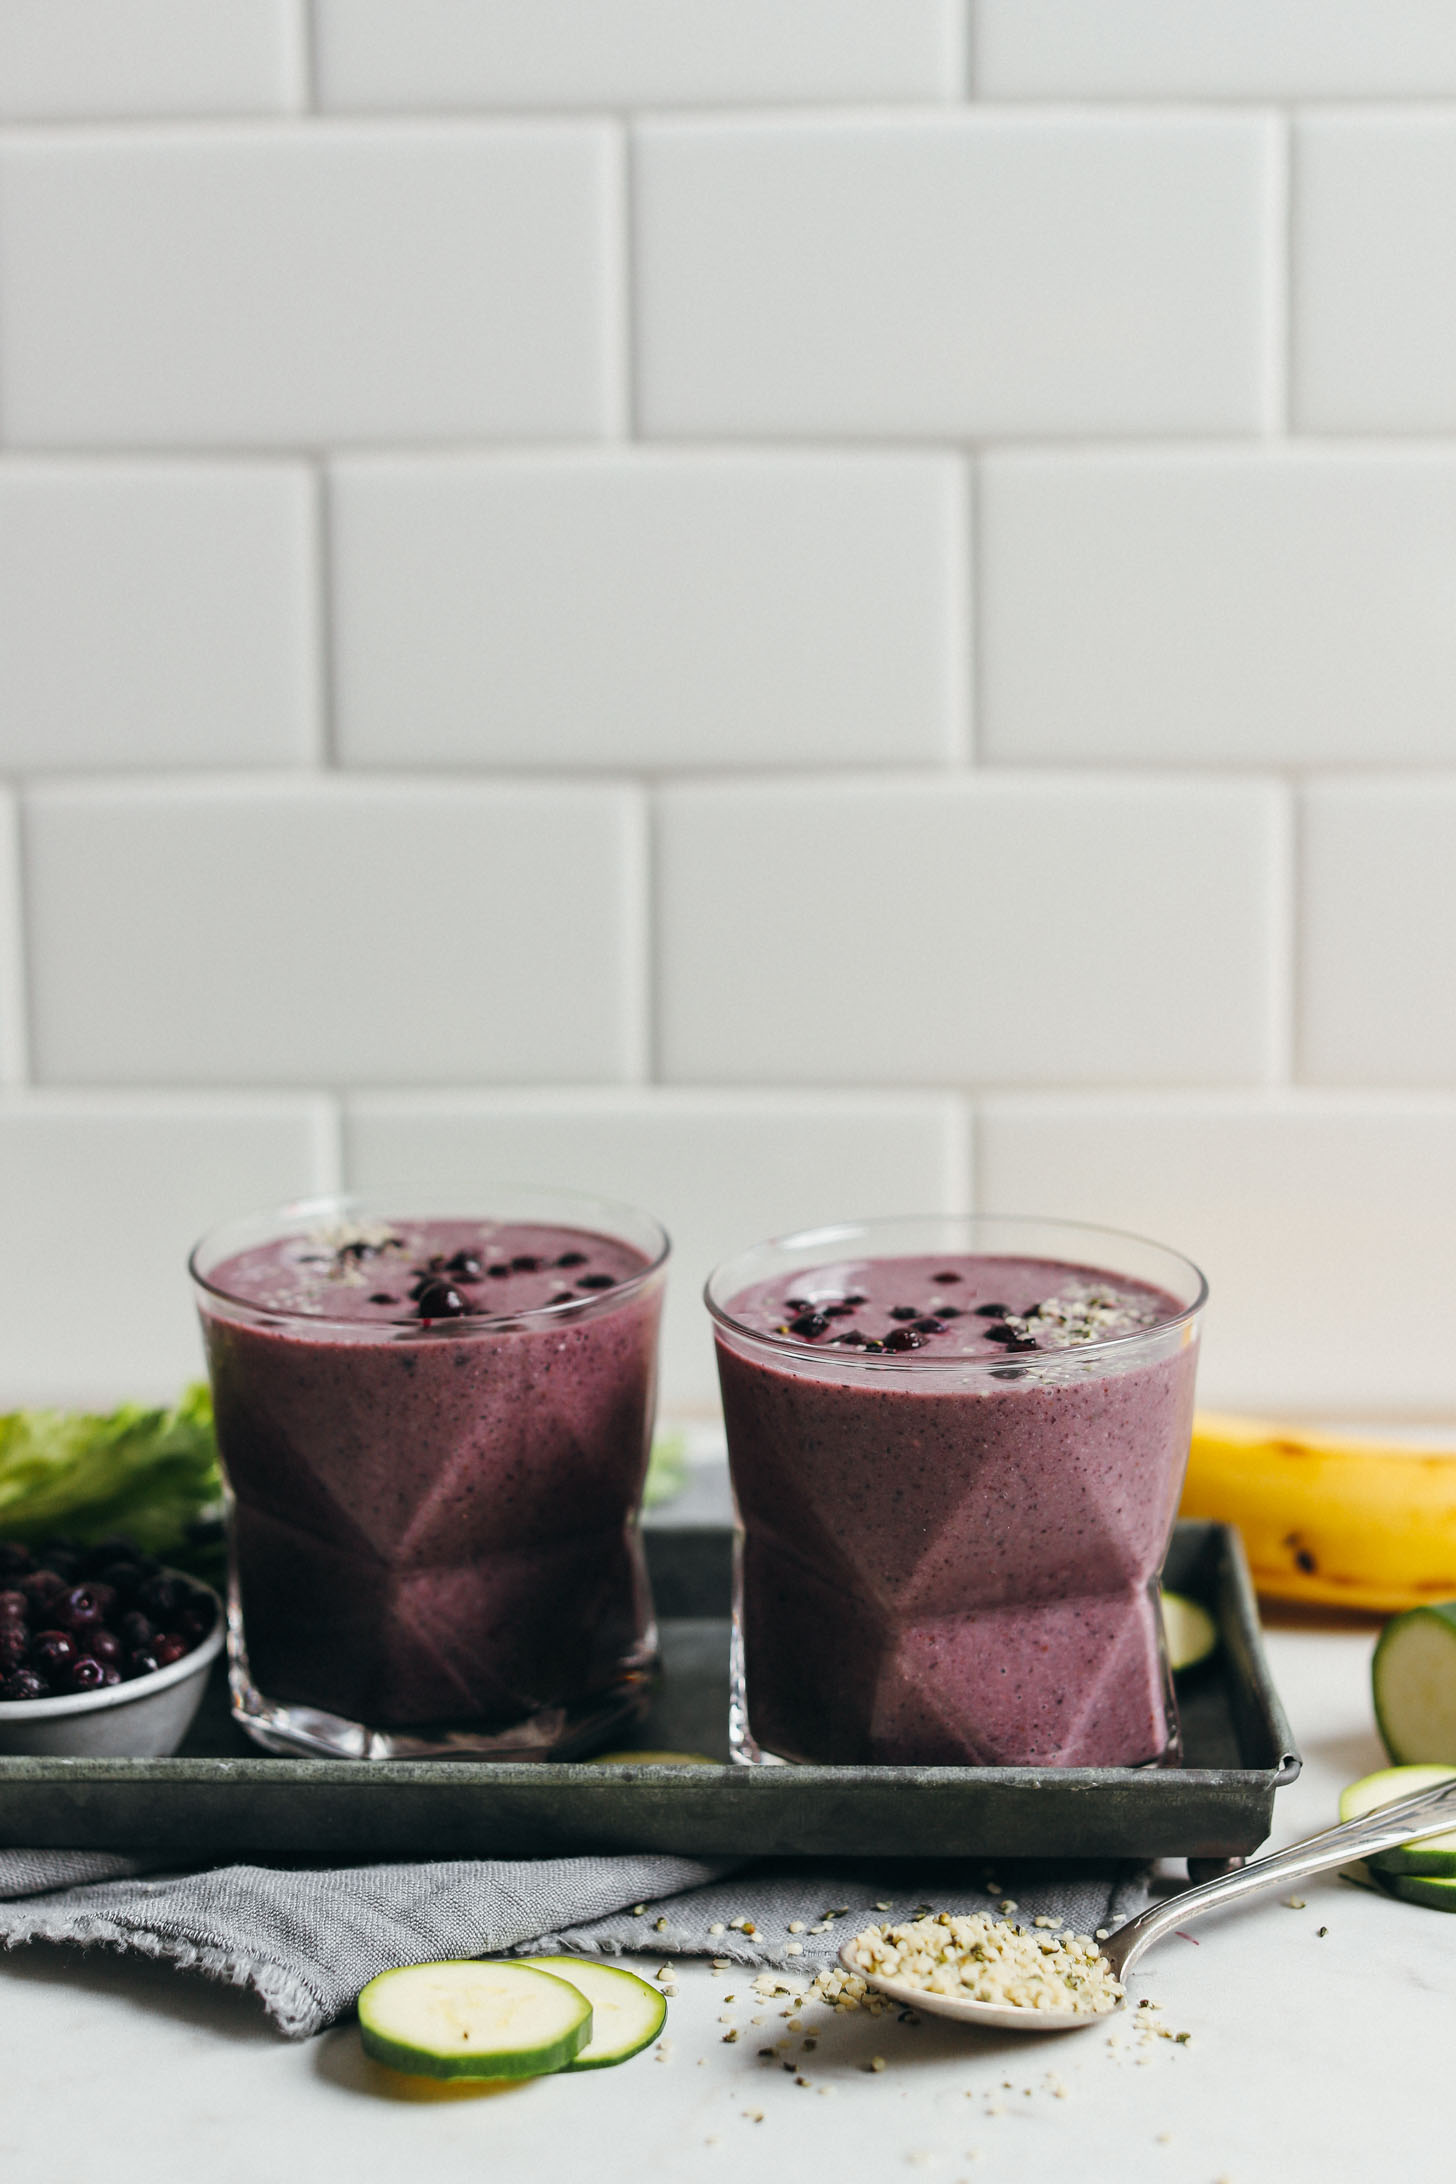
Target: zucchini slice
[627, 2014]
[467, 2019]
[1413, 1677]
[1427, 1889]
[1437, 1855]
[1189, 1631]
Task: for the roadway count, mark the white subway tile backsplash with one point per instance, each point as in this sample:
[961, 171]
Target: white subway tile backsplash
[127, 1185]
[649, 610]
[979, 274]
[493, 53]
[1297, 1207]
[1230, 605]
[301, 933]
[1075, 49]
[156, 614]
[62, 59]
[340, 282]
[1378, 929]
[720, 1170]
[1374, 304]
[998, 930]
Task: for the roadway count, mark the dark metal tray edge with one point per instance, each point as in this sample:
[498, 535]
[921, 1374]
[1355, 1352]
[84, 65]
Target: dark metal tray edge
[343, 1808]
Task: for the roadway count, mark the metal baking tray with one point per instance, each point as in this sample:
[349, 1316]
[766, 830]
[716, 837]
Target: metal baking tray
[220, 1797]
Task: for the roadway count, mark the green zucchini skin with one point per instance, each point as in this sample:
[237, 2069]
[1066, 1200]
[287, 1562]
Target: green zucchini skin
[606, 1983]
[420, 2059]
[1416, 1733]
[1436, 1858]
[1426, 1889]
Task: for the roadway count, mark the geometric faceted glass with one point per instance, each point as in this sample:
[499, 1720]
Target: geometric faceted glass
[949, 1559]
[433, 1522]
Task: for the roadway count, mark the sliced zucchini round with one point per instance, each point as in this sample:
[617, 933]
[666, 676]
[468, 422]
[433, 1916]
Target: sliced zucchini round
[1189, 1631]
[1437, 1855]
[473, 2020]
[627, 2014]
[1413, 1677]
[1426, 1889]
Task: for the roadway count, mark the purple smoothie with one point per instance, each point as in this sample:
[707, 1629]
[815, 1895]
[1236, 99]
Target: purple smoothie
[956, 1476]
[435, 1434]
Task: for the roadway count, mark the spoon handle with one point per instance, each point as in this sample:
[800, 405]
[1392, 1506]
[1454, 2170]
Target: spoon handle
[1430, 1812]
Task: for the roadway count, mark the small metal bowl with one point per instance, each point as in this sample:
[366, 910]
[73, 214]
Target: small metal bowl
[144, 1719]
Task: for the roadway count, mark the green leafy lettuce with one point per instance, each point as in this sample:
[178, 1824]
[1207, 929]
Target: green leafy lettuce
[148, 1473]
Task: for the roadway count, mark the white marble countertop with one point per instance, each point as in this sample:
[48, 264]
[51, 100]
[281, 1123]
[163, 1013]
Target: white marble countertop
[1310, 2056]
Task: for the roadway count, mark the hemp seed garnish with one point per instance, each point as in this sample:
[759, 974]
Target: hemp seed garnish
[980, 1959]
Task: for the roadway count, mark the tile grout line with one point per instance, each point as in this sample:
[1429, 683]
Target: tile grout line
[639, 941]
[969, 624]
[1284, 940]
[325, 754]
[1279, 281]
[619, 358]
[15, 1000]
[303, 39]
[328, 1143]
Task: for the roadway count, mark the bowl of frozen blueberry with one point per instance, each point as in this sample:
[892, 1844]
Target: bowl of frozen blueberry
[104, 1653]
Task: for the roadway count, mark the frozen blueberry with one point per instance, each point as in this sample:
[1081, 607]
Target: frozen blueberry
[53, 1654]
[439, 1300]
[139, 1664]
[572, 1258]
[382, 1296]
[991, 1311]
[904, 1338]
[87, 1673]
[464, 1266]
[929, 1326]
[904, 1311]
[500, 1272]
[83, 1608]
[41, 1587]
[14, 1607]
[137, 1632]
[949, 1274]
[15, 1560]
[14, 1645]
[597, 1281]
[170, 1647]
[161, 1597]
[525, 1262]
[105, 1646]
[808, 1324]
[24, 1684]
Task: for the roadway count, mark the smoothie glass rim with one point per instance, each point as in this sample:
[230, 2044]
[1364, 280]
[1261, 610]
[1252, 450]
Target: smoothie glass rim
[269, 1224]
[799, 1241]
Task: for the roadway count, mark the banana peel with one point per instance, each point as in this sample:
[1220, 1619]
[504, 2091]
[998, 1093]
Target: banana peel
[1342, 1520]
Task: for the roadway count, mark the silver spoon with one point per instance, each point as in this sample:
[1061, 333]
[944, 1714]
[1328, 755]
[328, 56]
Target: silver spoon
[1430, 1812]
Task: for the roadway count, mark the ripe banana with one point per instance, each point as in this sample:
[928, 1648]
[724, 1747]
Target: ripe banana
[1326, 1517]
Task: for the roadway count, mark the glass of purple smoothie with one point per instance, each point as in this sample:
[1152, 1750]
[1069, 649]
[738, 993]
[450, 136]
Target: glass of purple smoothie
[434, 1429]
[957, 1446]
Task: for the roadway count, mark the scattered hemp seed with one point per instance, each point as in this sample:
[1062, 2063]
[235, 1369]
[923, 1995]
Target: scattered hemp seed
[670, 1991]
[639, 1910]
[730, 2037]
[796, 1926]
[659, 1926]
[1294, 1903]
[988, 1960]
[1009, 1905]
[1321, 1932]
[884, 1907]
[793, 1948]
[722, 1964]
[753, 2115]
[1102, 1933]
[664, 1971]
[876, 2062]
[715, 1928]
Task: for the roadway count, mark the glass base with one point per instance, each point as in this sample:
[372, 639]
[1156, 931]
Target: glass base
[568, 1731]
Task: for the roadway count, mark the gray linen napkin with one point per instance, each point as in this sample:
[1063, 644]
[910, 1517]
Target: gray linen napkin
[307, 1941]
